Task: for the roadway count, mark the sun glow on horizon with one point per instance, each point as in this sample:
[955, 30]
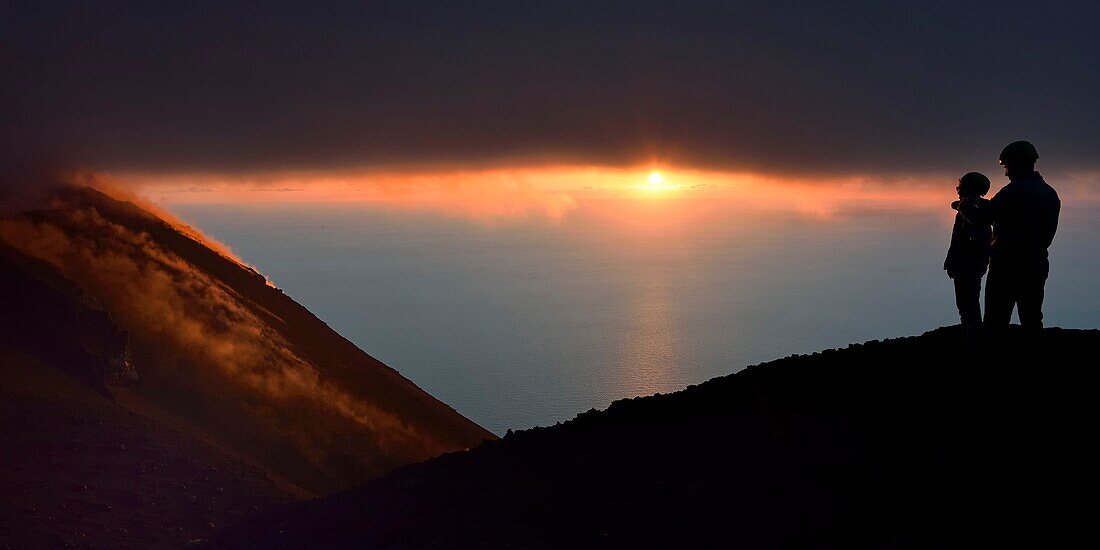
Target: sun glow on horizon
[655, 183]
[551, 193]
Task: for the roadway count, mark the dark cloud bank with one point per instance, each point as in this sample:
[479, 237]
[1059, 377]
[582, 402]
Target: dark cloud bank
[777, 86]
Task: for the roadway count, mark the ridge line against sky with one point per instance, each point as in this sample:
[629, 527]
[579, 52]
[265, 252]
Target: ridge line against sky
[771, 87]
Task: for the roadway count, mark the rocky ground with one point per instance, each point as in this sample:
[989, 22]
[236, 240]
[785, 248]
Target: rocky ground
[910, 443]
[79, 471]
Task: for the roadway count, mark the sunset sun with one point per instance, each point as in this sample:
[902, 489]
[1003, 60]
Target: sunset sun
[656, 183]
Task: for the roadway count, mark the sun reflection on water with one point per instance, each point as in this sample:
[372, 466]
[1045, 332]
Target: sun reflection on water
[650, 350]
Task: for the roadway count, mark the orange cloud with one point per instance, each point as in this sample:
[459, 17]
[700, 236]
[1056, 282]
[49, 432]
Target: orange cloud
[632, 199]
[547, 192]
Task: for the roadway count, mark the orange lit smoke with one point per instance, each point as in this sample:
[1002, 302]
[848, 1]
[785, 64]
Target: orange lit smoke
[155, 293]
[51, 178]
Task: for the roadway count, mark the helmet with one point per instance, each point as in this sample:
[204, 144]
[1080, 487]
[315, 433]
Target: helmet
[974, 183]
[1019, 152]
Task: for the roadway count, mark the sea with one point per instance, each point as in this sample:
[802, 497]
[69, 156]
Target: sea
[527, 320]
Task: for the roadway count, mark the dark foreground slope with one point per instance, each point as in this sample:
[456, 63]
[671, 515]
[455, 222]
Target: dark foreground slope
[911, 442]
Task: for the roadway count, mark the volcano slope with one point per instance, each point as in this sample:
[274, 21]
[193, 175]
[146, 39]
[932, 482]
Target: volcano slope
[913, 442]
[148, 315]
[80, 470]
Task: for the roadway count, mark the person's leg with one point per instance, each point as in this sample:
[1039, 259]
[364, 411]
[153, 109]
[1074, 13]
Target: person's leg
[1031, 294]
[999, 299]
[968, 289]
[967, 298]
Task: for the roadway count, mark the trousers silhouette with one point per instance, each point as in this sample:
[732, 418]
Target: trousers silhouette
[1009, 287]
[967, 297]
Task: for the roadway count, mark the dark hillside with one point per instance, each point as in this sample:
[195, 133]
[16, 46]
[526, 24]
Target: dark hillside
[77, 469]
[111, 292]
[913, 442]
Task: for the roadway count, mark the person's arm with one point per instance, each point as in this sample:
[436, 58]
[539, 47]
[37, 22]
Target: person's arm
[978, 212]
[952, 250]
[1050, 225]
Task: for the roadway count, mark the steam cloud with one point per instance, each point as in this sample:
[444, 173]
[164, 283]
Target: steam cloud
[159, 296]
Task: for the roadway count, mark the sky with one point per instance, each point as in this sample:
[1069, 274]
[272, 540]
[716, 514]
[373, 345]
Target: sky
[785, 88]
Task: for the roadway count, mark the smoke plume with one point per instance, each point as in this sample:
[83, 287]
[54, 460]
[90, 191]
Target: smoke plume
[209, 339]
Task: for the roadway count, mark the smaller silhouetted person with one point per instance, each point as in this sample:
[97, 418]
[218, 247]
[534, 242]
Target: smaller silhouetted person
[1024, 215]
[968, 256]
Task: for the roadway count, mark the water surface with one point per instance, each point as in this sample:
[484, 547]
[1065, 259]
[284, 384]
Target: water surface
[528, 321]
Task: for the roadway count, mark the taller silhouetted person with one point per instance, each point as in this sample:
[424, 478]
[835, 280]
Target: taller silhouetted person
[1024, 215]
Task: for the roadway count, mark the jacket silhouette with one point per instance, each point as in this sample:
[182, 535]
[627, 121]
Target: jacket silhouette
[1025, 219]
[971, 242]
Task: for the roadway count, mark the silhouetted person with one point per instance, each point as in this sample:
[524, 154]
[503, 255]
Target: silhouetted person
[968, 256]
[1024, 215]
